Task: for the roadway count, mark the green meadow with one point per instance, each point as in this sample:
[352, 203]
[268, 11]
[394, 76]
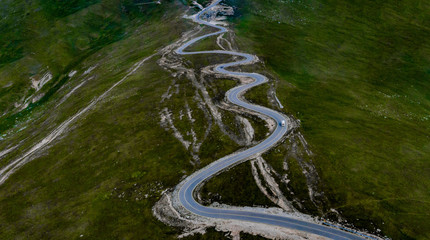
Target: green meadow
[356, 73]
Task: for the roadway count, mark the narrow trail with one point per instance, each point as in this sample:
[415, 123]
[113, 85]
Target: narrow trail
[186, 188]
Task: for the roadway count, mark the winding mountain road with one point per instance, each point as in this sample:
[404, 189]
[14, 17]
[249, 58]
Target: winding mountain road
[192, 182]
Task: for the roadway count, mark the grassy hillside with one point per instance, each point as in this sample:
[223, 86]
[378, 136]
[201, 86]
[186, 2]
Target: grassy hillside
[356, 75]
[102, 176]
[50, 36]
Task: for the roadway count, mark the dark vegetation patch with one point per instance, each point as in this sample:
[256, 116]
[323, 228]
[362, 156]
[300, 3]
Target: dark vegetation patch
[59, 8]
[212, 234]
[234, 187]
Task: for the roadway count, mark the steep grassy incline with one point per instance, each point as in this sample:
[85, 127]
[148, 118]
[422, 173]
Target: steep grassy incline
[100, 179]
[42, 41]
[356, 73]
[102, 175]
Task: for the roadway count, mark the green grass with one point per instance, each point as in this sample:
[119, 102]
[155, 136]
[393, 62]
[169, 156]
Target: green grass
[355, 74]
[117, 149]
[102, 177]
[205, 44]
[243, 191]
[75, 186]
[55, 36]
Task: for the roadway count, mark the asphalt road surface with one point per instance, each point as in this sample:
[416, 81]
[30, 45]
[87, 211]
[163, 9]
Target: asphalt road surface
[186, 190]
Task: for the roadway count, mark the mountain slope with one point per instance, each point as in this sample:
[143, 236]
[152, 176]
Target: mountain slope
[356, 75]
